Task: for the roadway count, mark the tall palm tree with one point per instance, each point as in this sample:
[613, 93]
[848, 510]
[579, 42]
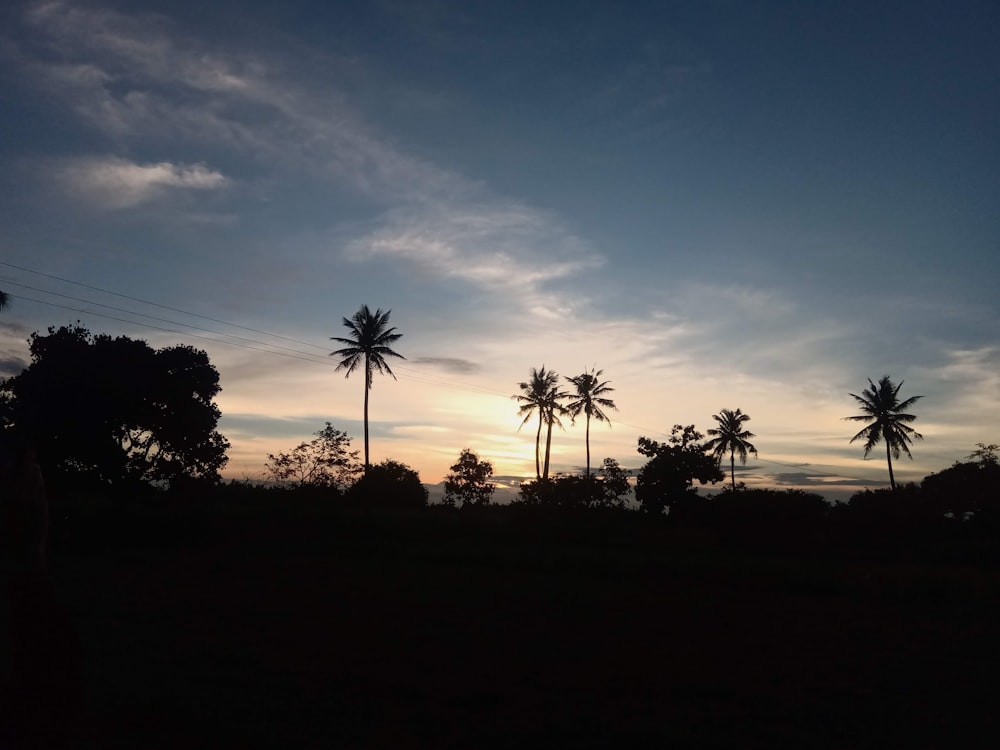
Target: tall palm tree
[553, 409]
[588, 399]
[541, 394]
[889, 423]
[369, 342]
[730, 437]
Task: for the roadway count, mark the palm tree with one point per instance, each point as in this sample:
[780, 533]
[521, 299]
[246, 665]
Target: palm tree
[552, 410]
[880, 404]
[369, 342]
[536, 395]
[730, 436]
[589, 400]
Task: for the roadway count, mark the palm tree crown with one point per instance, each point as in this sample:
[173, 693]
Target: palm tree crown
[368, 343]
[588, 400]
[541, 394]
[880, 405]
[730, 437]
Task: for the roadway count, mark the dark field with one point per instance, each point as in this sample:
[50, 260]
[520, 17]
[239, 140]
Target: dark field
[315, 627]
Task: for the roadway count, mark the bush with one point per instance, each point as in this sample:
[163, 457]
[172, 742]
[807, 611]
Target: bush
[389, 484]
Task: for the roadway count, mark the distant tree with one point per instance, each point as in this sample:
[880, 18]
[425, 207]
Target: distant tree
[390, 484]
[673, 468]
[730, 437]
[4, 300]
[985, 454]
[469, 481]
[880, 405]
[325, 461]
[614, 484]
[369, 343]
[563, 491]
[541, 394]
[115, 411]
[969, 487]
[589, 400]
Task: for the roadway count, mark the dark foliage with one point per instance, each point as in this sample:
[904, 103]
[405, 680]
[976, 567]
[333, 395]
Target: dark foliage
[744, 508]
[673, 468]
[614, 485]
[563, 491]
[114, 413]
[906, 507]
[969, 490]
[469, 481]
[389, 484]
[326, 461]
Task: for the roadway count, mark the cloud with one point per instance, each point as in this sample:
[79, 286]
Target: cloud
[11, 365]
[805, 479]
[450, 364]
[137, 78]
[493, 244]
[115, 183]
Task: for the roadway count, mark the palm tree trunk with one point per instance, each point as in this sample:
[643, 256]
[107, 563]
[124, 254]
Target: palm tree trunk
[538, 447]
[548, 448]
[888, 457]
[732, 468]
[368, 385]
[588, 446]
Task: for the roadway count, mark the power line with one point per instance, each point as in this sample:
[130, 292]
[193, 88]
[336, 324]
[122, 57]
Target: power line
[156, 304]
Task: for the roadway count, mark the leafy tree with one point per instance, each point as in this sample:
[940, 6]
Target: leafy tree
[325, 461]
[369, 343]
[541, 394]
[469, 481]
[673, 468]
[115, 411]
[589, 400]
[562, 491]
[880, 405]
[390, 484]
[614, 484]
[732, 438]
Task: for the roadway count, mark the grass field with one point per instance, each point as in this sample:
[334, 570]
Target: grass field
[312, 627]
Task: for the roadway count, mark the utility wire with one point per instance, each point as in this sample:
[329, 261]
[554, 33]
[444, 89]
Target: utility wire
[157, 304]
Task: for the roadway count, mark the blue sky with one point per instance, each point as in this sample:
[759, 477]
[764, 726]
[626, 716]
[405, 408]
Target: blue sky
[720, 204]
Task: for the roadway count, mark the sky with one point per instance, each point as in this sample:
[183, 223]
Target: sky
[719, 204]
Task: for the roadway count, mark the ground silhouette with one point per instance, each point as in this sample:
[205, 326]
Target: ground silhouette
[258, 623]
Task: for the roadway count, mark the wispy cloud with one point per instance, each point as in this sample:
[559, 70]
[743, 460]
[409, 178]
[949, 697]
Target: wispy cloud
[449, 364]
[137, 78]
[115, 183]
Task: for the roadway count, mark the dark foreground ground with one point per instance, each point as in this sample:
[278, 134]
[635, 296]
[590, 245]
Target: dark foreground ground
[315, 628]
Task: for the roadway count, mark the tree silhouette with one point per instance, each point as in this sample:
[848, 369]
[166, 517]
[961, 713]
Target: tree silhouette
[889, 423]
[116, 412]
[369, 342]
[4, 300]
[469, 481]
[325, 461]
[540, 394]
[589, 400]
[668, 477]
[732, 438]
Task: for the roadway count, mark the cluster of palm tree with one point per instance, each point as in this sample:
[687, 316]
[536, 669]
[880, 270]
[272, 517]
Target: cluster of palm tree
[370, 339]
[542, 394]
